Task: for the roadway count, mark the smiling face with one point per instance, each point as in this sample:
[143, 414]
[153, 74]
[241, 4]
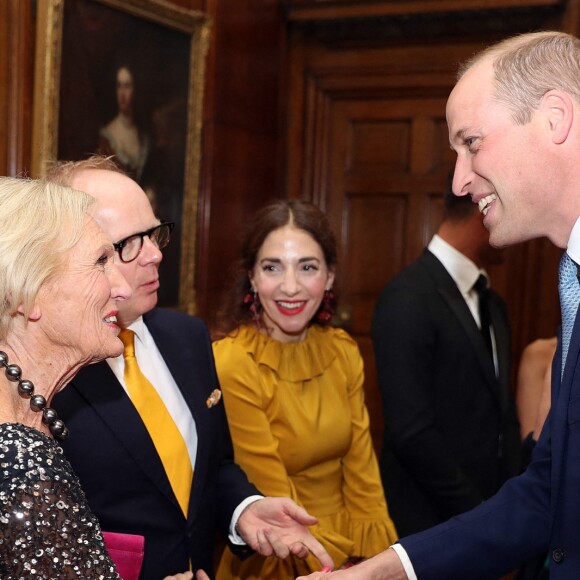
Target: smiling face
[497, 160]
[77, 308]
[290, 276]
[122, 209]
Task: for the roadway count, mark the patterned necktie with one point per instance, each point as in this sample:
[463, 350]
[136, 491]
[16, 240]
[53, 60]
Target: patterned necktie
[569, 298]
[481, 287]
[164, 433]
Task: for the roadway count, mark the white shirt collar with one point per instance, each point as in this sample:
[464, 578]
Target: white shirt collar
[463, 271]
[138, 327]
[573, 248]
[141, 332]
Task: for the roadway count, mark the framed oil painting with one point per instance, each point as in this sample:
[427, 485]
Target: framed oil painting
[125, 78]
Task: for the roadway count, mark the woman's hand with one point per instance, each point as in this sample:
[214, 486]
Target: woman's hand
[384, 566]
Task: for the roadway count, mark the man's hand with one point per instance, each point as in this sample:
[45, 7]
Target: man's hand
[277, 526]
[383, 566]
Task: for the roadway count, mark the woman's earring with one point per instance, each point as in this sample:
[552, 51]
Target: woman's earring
[253, 301]
[326, 311]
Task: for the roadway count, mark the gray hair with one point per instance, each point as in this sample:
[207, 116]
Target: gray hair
[40, 222]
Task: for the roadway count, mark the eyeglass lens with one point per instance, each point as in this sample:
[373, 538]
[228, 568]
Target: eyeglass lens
[159, 236]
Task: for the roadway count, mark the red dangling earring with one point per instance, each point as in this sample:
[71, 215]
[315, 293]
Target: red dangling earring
[253, 301]
[326, 311]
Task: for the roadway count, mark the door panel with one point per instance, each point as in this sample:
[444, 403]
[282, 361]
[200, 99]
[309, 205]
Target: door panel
[387, 169]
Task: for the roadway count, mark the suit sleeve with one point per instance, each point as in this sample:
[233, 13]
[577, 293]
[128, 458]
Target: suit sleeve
[496, 537]
[405, 341]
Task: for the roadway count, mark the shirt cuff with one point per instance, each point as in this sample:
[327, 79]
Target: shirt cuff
[233, 536]
[402, 553]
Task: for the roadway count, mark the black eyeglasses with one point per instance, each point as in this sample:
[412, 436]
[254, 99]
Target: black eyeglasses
[130, 247]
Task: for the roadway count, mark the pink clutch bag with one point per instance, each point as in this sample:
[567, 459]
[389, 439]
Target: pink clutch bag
[127, 551]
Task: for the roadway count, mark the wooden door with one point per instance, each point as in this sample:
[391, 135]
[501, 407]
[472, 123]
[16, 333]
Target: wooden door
[385, 179]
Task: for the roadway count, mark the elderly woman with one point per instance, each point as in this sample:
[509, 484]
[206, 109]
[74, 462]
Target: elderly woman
[294, 395]
[58, 286]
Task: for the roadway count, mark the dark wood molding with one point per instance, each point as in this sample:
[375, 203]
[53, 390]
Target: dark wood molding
[412, 27]
[312, 10]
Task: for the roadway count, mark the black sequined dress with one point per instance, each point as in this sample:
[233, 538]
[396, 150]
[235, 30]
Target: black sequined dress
[46, 527]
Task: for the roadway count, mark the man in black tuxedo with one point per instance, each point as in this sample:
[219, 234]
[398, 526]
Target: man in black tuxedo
[451, 432]
[110, 447]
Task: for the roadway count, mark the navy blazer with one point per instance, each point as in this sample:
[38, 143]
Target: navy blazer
[536, 512]
[120, 471]
[451, 431]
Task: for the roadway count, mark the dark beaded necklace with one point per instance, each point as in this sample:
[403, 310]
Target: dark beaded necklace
[37, 402]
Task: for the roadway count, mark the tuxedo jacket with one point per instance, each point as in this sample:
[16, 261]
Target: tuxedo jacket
[536, 512]
[120, 470]
[451, 432]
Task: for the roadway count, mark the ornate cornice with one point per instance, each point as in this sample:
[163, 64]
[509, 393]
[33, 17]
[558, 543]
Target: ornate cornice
[470, 24]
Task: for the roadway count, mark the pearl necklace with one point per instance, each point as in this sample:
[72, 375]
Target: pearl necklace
[37, 402]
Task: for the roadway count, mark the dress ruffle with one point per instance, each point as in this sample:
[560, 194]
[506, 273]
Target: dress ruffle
[366, 537]
[294, 361]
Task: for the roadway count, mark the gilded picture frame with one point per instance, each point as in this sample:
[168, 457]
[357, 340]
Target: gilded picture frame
[85, 51]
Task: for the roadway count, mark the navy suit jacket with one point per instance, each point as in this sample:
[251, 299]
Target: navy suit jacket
[536, 512]
[120, 471]
[451, 431]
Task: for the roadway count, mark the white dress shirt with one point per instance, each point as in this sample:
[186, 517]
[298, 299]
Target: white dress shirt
[573, 248]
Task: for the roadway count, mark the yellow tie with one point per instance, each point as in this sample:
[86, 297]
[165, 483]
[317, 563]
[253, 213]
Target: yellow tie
[163, 431]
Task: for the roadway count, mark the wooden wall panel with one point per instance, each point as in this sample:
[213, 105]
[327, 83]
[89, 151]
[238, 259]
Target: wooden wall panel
[16, 71]
[371, 252]
[240, 140]
[378, 146]
[4, 87]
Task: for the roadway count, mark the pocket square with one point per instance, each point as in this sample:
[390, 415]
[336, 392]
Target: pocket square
[214, 398]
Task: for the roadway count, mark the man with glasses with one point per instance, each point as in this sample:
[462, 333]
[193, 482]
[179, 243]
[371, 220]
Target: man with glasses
[148, 433]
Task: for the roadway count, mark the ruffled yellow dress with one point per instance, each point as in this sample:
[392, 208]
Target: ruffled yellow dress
[300, 429]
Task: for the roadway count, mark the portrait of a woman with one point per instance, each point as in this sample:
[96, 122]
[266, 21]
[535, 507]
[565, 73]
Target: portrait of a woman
[123, 136]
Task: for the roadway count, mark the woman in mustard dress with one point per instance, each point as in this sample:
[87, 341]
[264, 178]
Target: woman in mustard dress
[293, 391]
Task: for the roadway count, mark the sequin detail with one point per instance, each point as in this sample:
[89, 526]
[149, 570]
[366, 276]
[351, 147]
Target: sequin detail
[46, 527]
